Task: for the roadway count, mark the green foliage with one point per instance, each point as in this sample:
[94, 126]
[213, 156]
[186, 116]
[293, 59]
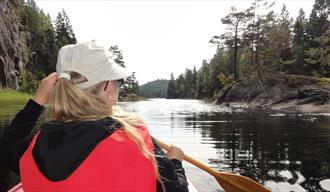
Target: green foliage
[303, 80]
[39, 56]
[171, 90]
[284, 43]
[205, 82]
[180, 85]
[319, 57]
[63, 30]
[131, 85]
[43, 43]
[317, 52]
[11, 97]
[255, 43]
[154, 89]
[225, 80]
[28, 81]
[117, 55]
[318, 21]
[252, 43]
[324, 81]
[41, 52]
[236, 23]
[300, 44]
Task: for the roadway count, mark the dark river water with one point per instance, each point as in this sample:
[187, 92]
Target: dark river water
[285, 152]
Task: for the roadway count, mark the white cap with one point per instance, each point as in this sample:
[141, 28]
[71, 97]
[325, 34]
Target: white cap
[91, 61]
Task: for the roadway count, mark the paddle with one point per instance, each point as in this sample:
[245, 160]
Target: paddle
[230, 182]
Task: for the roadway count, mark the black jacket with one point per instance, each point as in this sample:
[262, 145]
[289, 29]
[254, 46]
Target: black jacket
[74, 141]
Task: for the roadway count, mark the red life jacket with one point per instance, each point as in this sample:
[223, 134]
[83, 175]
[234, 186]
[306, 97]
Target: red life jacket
[115, 164]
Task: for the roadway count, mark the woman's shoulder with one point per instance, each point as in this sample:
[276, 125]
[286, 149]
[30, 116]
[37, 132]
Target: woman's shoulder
[141, 126]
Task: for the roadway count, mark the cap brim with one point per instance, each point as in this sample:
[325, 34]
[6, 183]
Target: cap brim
[119, 72]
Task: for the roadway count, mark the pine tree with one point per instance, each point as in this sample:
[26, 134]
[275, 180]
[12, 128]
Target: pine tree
[285, 41]
[32, 4]
[181, 87]
[318, 21]
[319, 57]
[189, 92]
[236, 23]
[194, 82]
[299, 43]
[203, 81]
[266, 45]
[317, 31]
[171, 89]
[253, 32]
[117, 55]
[131, 85]
[63, 30]
[216, 67]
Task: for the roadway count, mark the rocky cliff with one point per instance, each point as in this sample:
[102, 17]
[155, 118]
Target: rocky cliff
[288, 93]
[12, 43]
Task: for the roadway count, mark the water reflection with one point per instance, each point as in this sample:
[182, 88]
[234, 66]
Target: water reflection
[286, 152]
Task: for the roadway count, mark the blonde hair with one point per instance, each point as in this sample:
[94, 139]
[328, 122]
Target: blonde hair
[70, 103]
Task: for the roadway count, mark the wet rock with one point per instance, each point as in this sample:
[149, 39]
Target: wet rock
[130, 97]
[288, 93]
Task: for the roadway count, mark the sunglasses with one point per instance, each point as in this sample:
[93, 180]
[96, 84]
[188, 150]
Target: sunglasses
[118, 83]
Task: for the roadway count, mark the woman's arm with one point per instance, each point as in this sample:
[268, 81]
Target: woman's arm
[15, 139]
[171, 170]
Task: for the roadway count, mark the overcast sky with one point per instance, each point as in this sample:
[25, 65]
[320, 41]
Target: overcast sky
[156, 37]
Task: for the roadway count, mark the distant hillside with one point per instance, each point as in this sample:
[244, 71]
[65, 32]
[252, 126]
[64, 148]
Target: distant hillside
[154, 89]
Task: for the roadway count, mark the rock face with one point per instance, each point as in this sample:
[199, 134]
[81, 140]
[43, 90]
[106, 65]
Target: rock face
[288, 93]
[12, 43]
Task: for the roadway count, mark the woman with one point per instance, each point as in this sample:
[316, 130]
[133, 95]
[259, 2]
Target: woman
[90, 144]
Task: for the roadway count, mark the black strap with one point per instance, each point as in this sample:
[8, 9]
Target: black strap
[112, 125]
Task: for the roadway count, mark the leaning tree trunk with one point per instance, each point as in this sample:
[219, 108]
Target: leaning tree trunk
[257, 52]
[235, 55]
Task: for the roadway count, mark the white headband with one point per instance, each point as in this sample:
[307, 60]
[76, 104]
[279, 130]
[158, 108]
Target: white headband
[65, 75]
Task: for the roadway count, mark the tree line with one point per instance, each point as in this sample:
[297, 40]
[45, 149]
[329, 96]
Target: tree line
[154, 89]
[45, 40]
[258, 44]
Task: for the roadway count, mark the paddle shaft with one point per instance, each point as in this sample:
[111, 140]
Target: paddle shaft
[190, 159]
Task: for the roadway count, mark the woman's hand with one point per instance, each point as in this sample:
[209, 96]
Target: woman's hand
[45, 88]
[175, 153]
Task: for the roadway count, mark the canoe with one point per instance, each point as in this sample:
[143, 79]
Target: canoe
[18, 187]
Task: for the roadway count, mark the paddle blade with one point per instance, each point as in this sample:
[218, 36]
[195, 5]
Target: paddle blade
[238, 183]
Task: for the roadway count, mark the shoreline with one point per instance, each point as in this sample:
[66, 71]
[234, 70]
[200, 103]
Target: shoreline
[278, 92]
[288, 108]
